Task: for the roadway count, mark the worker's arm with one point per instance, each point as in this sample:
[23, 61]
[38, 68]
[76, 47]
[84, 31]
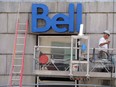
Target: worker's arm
[108, 42]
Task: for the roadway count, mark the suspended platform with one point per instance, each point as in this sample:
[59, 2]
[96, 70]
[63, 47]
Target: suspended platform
[77, 61]
[66, 74]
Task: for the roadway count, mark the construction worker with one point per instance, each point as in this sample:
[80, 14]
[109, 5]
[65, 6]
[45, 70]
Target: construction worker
[104, 44]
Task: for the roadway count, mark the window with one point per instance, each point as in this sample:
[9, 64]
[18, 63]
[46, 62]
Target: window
[60, 53]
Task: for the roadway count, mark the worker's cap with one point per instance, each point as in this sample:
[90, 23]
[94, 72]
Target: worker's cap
[107, 32]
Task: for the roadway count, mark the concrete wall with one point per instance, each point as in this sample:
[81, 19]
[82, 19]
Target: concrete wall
[97, 17]
[57, 0]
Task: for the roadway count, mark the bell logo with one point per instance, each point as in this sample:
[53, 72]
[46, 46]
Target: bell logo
[54, 22]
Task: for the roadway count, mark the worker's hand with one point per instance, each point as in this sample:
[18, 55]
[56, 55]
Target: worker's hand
[108, 42]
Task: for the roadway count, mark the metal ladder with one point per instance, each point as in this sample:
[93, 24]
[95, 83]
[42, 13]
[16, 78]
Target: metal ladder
[16, 74]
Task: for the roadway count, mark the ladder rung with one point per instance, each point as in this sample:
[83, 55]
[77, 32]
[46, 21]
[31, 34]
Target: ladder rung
[16, 79]
[16, 72]
[22, 23]
[18, 58]
[19, 51]
[20, 37]
[19, 44]
[21, 30]
[17, 65]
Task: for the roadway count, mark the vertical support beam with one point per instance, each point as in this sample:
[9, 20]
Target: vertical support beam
[76, 50]
[38, 48]
[87, 57]
[34, 61]
[78, 42]
[34, 58]
[37, 81]
[75, 83]
[115, 67]
[71, 56]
